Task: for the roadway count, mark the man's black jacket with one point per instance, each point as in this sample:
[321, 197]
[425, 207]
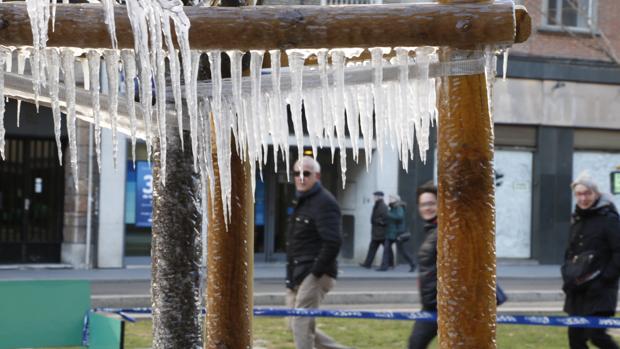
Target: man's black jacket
[427, 261]
[378, 220]
[313, 236]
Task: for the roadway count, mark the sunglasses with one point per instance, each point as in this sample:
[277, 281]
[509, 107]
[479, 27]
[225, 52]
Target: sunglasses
[305, 173]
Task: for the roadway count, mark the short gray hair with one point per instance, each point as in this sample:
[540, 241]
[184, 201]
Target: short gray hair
[587, 181]
[310, 160]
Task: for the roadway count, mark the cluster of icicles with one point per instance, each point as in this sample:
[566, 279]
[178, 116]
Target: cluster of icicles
[385, 112]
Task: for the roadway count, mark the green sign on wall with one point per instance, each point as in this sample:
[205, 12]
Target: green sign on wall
[615, 182]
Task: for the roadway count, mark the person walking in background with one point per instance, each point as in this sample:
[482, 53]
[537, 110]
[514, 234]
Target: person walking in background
[395, 225]
[591, 263]
[378, 223]
[314, 240]
[424, 332]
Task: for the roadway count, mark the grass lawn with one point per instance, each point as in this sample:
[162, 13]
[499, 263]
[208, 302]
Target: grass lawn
[271, 333]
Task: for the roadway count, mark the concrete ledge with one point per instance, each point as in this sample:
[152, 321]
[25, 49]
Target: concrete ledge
[340, 298]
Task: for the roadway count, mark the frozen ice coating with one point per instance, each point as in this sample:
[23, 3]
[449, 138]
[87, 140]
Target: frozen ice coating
[68, 67]
[129, 70]
[505, 65]
[137, 13]
[350, 100]
[296, 65]
[258, 117]
[236, 78]
[108, 7]
[365, 101]
[94, 65]
[175, 75]
[326, 105]
[423, 60]
[112, 67]
[39, 13]
[338, 61]
[22, 54]
[53, 70]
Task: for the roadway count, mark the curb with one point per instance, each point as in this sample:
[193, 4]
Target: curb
[340, 298]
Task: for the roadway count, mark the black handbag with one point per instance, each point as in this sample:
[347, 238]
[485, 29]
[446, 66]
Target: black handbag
[580, 269]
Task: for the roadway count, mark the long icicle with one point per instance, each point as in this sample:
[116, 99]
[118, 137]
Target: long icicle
[53, 70]
[111, 60]
[108, 6]
[129, 69]
[2, 130]
[94, 64]
[68, 66]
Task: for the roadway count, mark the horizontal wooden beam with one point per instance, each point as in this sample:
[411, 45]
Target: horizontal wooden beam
[285, 27]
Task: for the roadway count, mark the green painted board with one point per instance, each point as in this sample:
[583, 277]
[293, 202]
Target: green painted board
[615, 182]
[45, 313]
[105, 332]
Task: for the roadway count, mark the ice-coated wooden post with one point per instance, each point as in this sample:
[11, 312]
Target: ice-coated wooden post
[466, 243]
[230, 261]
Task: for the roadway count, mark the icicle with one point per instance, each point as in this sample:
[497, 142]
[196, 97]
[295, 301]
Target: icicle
[221, 119]
[137, 17]
[129, 69]
[379, 100]
[256, 65]
[338, 113]
[403, 112]
[175, 75]
[9, 59]
[2, 130]
[423, 60]
[296, 64]
[350, 102]
[279, 114]
[85, 72]
[236, 77]
[53, 70]
[68, 66]
[314, 120]
[21, 65]
[94, 65]
[54, 15]
[505, 67]
[326, 105]
[108, 7]
[39, 13]
[111, 62]
[365, 101]
[159, 67]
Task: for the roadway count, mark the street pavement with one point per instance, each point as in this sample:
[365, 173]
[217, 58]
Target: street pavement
[530, 287]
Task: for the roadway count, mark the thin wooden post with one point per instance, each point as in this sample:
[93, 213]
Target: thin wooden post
[466, 243]
[230, 263]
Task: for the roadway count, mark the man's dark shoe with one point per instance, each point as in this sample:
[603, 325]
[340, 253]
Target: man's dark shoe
[382, 269]
[364, 265]
[412, 269]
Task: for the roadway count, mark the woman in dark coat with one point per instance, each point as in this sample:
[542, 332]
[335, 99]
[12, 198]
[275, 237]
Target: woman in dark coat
[592, 263]
[424, 332]
[396, 225]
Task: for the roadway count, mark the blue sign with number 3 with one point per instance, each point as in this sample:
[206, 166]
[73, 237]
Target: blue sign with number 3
[144, 195]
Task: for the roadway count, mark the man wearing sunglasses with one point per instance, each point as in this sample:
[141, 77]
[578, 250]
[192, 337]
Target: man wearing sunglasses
[313, 244]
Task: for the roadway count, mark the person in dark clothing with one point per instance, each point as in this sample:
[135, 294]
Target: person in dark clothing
[313, 243]
[592, 263]
[395, 226]
[378, 223]
[423, 332]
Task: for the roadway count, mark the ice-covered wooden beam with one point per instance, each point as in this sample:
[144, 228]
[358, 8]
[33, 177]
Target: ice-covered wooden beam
[284, 27]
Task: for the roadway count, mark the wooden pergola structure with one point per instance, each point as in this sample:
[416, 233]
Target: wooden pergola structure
[466, 247]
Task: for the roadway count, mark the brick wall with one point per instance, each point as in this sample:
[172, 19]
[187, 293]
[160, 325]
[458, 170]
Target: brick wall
[579, 45]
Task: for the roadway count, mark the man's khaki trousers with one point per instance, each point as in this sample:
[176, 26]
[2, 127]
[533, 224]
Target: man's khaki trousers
[310, 294]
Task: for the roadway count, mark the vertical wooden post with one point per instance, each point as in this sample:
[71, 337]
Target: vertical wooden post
[175, 249]
[466, 245]
[230, 261]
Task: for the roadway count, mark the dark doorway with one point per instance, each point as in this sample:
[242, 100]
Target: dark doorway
[31, 202]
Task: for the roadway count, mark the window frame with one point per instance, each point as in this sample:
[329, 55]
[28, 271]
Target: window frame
[592, 15]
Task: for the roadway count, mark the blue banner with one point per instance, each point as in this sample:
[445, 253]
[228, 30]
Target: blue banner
[144, 195]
